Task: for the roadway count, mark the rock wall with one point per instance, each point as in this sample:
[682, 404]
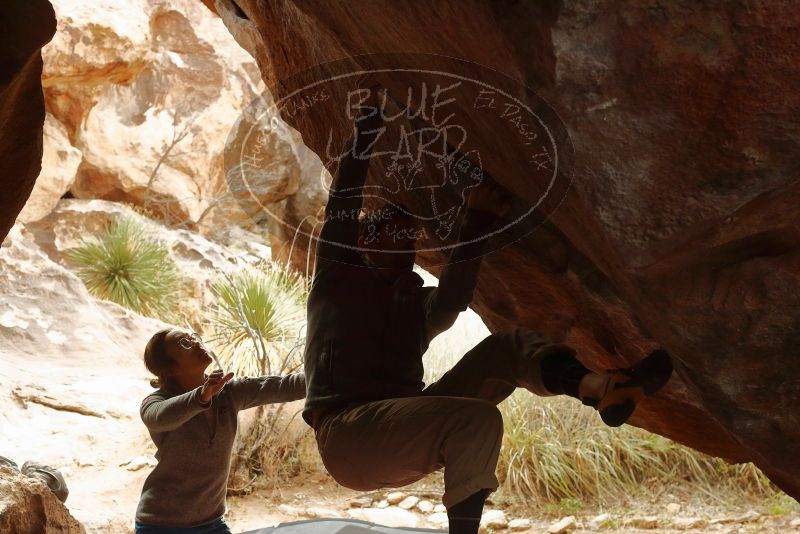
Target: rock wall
[680, 225]
[147, 91]
[198, 259]
[142, 100]
[21, 101]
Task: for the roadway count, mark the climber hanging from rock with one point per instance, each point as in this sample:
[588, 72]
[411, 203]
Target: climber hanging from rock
[370, 320]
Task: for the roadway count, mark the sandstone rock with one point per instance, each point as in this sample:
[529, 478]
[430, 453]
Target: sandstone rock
[439, 508]
[425, 507]
[395, 497]
[276, 180]
[71, 367]
[647, 522]
[290, 510]
[27, 505]
[439, 519]
[139, 462]
[563, 525]
[318, 512]
[390, 517]
[408, 503]
[360, 502]
[28, 25]
[519, 524]
[383, 503]
[673, 508]
[795, 523]
[494, 519]
[149, 91]
[686, 523]
[59, 164]
[248, 246]
[600, 520]
[46, 310]
[750, 515]
[675, 230]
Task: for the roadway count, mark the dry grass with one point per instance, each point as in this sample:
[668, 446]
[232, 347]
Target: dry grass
[557, 449]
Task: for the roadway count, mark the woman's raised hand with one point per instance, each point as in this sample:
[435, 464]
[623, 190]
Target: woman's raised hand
[213, 385]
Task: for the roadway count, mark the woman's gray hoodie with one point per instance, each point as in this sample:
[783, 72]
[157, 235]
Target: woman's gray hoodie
[187, 486]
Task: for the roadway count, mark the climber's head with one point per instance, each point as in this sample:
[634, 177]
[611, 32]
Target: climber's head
[389, 240]
[172, 352]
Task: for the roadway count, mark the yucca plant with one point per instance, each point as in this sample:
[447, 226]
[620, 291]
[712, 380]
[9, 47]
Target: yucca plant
[257, 326]
[125, 265]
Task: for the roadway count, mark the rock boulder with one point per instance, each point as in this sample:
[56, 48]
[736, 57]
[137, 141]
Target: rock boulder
[27, 506]
[679, 225]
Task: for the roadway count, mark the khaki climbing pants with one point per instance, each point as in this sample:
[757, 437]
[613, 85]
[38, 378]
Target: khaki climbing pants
[453, 424]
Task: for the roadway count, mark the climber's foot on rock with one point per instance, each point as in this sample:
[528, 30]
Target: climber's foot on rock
[616, 392]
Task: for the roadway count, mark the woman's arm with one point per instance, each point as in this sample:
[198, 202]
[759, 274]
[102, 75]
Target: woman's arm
[162, 414]
[250, 391]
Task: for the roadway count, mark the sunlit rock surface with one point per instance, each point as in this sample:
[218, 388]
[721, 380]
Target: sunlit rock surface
[60, 162]
[148, 91]
[199, 260]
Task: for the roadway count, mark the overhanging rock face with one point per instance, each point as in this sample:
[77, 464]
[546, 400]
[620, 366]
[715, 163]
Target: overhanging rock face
[26, 27]
[679, 227]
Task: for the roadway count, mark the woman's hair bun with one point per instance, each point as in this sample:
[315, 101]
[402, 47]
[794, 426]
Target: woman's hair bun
[155, 382]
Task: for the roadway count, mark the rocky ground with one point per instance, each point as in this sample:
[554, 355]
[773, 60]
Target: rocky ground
[420, 508]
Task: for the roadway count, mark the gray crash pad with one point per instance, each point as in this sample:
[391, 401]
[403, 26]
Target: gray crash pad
[336, 526]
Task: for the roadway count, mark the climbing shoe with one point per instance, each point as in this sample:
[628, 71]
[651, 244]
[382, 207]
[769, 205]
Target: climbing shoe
[50, 476]
[622, 389]
[8, 462]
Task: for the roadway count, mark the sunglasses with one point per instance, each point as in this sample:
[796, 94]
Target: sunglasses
[189, 341]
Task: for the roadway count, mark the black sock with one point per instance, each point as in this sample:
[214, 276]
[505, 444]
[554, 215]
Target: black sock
[465, 517]
[562, 374]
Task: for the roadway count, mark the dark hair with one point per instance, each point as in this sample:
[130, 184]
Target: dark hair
[156, 358]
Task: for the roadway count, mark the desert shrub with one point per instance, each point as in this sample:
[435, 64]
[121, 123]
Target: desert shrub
[259, 319]
[127, 266]
[557, 450]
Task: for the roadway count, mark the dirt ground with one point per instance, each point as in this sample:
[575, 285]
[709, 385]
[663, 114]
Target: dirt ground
[322, 497]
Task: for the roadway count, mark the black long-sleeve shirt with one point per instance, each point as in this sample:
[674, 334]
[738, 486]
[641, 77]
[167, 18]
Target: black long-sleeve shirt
[367, 333]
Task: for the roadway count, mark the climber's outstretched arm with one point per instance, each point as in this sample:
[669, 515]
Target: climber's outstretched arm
[339, 235]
